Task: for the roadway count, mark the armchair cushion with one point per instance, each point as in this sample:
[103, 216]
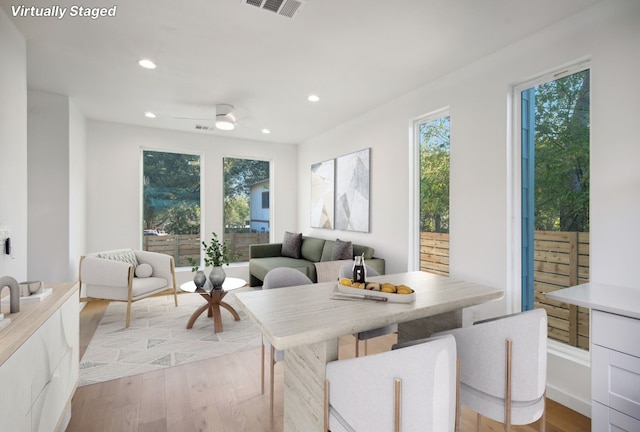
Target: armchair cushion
[124, 255]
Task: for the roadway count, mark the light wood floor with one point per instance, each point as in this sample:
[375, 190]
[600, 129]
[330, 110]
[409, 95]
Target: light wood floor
[221, 395]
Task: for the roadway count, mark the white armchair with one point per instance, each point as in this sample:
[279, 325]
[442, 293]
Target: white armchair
[126, 275]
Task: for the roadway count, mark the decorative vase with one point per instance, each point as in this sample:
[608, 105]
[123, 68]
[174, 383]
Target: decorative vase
[200, 279]
[217, 277]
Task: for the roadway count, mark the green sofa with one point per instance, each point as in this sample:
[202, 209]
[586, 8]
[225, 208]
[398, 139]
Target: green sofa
[264, 257]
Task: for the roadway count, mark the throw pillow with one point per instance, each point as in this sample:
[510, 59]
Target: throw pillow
[124, 255]
[291, 245]
[342, 250]
[144, 270]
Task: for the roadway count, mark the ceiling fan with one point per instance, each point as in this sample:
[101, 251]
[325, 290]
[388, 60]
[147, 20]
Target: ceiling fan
[226, 118]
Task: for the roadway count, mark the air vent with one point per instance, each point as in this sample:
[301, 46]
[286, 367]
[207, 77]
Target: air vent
[204, 127]
[286, 8]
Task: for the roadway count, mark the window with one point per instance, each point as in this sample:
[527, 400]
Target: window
[246, 204]
[171, 205]
[554, 132]
[433, 139]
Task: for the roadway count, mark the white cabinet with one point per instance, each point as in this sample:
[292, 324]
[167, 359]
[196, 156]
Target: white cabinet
[615, 369]
[38, 378]
[615, 353]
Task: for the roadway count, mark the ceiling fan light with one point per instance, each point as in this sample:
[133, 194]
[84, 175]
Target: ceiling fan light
[225, 122]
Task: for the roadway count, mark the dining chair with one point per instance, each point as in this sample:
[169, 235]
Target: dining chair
[279, 277]
[408, 389]
[346, 271]
[503, 365]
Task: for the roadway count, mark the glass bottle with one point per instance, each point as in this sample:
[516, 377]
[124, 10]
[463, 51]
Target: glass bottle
[359, 272]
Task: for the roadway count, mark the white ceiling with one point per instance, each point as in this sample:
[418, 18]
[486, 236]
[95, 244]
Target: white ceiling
[354, 54]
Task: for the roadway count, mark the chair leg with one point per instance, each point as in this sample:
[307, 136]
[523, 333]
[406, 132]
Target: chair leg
[365, 346]
[397, 402]
[458, 408]
[326, 405]
[542, 426]
[357, 345]
[507, 397]
[272, 367]
[478, 420]
[262, 369]
[128, 320]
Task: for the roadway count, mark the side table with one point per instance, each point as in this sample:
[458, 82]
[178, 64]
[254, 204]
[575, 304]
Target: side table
[214, 301]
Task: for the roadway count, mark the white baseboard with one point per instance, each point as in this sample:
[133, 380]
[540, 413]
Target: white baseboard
[572, 402]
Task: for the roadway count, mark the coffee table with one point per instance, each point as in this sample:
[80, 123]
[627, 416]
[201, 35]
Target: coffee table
[214, 301]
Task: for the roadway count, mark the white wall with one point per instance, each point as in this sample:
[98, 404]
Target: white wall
[483, 212]
[48, 154]
[56, 161]
[13, 146]
[77, 188]
[114, 181]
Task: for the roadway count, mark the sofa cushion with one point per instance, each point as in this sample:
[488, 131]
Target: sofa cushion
[359, 250]
[327, 250]
[259, 267]
[311, 249]
[291, 245]
[342, 250]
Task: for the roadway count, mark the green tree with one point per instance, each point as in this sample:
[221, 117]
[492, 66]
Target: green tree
[434, 175]
[171, 192]
[239, 175]
[562, 154]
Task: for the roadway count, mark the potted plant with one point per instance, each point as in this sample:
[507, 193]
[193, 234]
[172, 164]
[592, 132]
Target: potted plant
[217, 254]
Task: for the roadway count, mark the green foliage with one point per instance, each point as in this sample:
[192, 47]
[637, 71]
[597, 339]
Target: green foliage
[239, 175]
[194, 264]
[562, 154]
[434, 175]
[171, 192]
[217, 253]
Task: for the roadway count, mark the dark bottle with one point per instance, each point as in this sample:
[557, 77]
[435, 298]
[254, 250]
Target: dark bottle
[359, 273]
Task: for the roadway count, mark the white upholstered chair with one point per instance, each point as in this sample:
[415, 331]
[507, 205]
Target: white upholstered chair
[126, 275]
[503, 365]
[408, 389]
[279, 277]
[347, 272]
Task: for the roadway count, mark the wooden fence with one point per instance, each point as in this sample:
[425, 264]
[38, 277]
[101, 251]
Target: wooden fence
[434, 253]
[561, 259]
[185, 246]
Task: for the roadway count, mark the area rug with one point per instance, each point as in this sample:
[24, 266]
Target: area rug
[158, 338]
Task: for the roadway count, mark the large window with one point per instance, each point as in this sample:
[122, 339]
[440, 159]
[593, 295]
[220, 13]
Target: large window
[246, 204]
[432, 133]
[171, 205]
[555, 123]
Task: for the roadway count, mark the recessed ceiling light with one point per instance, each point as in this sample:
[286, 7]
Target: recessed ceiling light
[313, 98]
[147, 64]
[266, 131]
[149, 114]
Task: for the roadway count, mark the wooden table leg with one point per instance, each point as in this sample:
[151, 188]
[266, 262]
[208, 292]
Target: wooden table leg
[230, 308]
[214, 301]
[196, 314]
[304, 375]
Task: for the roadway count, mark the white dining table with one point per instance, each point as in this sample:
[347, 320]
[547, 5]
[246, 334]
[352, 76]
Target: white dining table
[307, 321]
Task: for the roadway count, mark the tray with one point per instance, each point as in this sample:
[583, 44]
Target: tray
[391, 297]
